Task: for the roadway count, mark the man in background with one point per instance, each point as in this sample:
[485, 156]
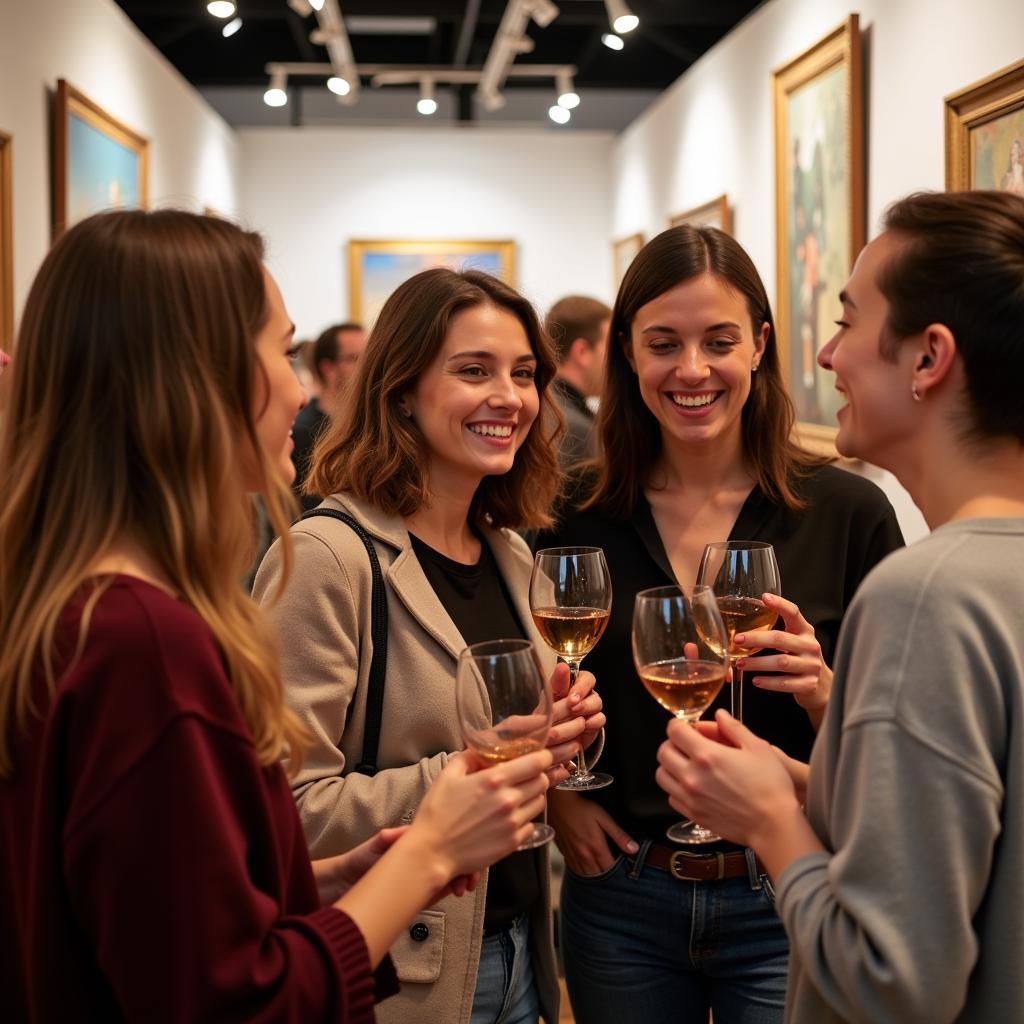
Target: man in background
[578, 326]
[335, 354]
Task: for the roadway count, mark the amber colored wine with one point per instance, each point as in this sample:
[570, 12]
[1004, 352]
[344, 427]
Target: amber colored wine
[684, 687]
[744, 615]
[571, 632]
[495, 749]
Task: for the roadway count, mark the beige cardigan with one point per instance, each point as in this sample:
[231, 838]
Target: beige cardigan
[323, 620]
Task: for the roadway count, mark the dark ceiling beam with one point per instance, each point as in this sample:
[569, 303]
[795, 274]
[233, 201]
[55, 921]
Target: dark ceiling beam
[467, 30]
[300, 29]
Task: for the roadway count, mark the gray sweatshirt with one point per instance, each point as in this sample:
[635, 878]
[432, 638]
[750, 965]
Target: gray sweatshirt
[916, 913]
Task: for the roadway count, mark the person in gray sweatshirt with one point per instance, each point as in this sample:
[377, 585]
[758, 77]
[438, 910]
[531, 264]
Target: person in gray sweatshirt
[901, 884]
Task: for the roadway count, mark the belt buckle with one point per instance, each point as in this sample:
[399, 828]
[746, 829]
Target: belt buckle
[681, 856]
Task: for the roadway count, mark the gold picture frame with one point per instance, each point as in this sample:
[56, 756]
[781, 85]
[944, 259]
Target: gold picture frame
[714, 214]
[6, 245]
[819, 212]
[984, 122]
[377, 267]
[98, 162]
[623, 252]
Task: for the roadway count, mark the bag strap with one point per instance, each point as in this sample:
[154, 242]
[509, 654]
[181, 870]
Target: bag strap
[379, 635]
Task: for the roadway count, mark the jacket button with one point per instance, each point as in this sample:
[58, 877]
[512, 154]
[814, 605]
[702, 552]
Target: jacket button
[419, 932]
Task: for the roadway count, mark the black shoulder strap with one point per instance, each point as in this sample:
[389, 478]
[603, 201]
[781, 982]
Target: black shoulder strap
[379, 635]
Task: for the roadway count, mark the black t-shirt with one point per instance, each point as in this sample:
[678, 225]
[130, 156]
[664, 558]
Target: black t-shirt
[478, 602]
[823, 551]
[309, 425]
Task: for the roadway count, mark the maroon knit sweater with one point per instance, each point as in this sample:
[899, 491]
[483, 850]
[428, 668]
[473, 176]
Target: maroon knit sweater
[151, 869]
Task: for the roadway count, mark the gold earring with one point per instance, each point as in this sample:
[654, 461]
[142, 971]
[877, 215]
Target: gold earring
[914, 393]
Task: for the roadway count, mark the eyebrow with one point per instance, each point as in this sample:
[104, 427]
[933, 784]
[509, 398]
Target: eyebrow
[531, 358]
[664, 329]
[844, 298]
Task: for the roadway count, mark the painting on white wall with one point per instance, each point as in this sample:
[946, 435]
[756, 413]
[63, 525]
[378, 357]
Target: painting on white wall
[714, 214]
[819, 210]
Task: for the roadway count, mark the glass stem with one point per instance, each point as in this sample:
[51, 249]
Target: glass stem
[736, 695]
[578, 768]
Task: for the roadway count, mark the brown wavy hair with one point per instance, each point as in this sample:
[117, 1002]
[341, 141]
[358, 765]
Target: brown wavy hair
[630, 434]
[376, 453]
[130, 403]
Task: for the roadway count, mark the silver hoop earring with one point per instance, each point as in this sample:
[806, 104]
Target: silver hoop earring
[914, 393]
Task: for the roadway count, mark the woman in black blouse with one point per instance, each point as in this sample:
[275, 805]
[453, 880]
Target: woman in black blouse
[695, 425]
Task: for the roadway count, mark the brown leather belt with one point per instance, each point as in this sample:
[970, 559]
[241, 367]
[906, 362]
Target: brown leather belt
[700, 867]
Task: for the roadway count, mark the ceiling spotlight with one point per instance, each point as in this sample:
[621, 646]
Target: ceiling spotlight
[559, 114]
[275, 96]
[338, 86]
[568, 97]
[426, 104]
[613, 42]
[621, 17]
[221, 8]
[231, 28]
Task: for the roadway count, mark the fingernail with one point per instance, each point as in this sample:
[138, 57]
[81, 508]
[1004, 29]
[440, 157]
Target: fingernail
[741, 662]
[768, 598]
[575, 698]
[631, 847]
[740, 637]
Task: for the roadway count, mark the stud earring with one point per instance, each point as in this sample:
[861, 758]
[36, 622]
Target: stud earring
[914, 393]
[753, 369]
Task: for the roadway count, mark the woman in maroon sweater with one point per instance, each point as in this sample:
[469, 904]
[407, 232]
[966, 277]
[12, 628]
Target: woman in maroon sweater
[154, 867]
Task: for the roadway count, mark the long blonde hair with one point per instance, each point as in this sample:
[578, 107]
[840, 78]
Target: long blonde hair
[129, 418]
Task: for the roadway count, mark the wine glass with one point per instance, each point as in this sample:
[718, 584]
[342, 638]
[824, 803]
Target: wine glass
[740, 572]
[571, 600]
[504, 707]
[679, 648]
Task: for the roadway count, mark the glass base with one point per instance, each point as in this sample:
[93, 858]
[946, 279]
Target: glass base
[689, 833]
[541, 834]
[584, 783]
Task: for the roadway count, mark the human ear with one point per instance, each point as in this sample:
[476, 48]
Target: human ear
[934, 357]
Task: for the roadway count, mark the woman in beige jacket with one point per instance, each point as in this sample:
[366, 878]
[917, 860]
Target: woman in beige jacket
[446, 447]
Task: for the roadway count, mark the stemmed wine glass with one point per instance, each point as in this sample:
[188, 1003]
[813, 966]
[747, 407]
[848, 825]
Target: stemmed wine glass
[740, 572]
[504, 707]
[571, 599]
[679, 645]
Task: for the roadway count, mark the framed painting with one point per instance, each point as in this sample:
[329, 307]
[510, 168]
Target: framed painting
[377, 268]
[99, 163]
[6, 247]
[985, 133]
[715, 214]
[623, 252]
[819, 214]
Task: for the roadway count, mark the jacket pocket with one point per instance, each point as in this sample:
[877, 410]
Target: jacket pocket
[418, 951]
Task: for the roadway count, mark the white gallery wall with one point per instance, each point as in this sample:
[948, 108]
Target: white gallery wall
[193, 153]
[312, 190]
[713, 130]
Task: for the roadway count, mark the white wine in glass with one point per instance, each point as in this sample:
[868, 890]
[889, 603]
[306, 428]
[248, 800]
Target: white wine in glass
[679, 648]
[571, 600]
[740, 572]
[504, 707]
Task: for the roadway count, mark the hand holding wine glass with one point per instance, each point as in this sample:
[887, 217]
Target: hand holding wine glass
[504, 707]
[571, 601]
[679, 648]
[741, 572]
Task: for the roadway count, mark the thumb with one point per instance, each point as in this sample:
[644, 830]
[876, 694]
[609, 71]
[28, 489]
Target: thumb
[733, 731]
[462, 764]
[622, 839]
[560, 681]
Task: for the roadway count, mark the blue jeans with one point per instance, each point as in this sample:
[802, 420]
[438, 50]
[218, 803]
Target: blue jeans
[505, 990]
[641, 945]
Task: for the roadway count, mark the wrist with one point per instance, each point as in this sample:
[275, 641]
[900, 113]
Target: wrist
[782, 835]
[424, 857]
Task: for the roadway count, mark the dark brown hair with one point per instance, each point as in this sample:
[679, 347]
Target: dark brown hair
[325, 348]
[379, 455]
[962, 265]
[130, 418]
[630, 434]
[575, 316]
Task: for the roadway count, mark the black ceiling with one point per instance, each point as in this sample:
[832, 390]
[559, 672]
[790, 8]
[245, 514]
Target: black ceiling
[671, 36]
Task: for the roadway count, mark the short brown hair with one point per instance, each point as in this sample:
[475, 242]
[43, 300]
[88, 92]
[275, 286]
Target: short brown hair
[325, 348]
[962, 265]
[630, 435]
[575, 316]
[376, 453]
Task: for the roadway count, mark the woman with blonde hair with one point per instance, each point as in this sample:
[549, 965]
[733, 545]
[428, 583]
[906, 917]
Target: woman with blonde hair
[445, 448]
[155, 868]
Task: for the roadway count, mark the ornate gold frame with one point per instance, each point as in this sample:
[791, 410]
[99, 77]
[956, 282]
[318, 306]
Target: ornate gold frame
[717, 209]
[358, 248]
[71, 101]
[841, 46]
[998, 94]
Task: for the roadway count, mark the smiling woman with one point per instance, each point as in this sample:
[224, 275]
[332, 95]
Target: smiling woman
[446, 447]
